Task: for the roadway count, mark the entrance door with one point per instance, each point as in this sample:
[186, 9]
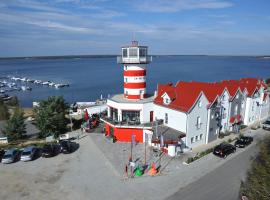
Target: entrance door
[151, 116]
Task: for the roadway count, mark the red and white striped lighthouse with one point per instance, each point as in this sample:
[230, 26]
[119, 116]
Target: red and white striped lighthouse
[134, 58]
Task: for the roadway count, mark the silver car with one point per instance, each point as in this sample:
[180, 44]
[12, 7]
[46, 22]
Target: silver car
[10, 156]
[28, 153]
[266, 125]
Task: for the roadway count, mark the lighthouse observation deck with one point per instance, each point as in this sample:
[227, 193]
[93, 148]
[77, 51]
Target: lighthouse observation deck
[134, 54]
[136, 60]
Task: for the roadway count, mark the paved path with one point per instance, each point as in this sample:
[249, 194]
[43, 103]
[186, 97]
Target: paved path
[221, 184]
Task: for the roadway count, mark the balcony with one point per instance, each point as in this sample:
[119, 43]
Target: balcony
[131, 123]
[134, 60]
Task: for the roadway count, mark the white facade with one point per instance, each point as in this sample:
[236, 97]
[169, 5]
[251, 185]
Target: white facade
[225, 110]
[197, 123]
[194, 123]
[176, 119]
[144, 108]
[253, 109]
[265, 108]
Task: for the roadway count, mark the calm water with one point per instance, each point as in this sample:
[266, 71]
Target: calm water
[91, 77]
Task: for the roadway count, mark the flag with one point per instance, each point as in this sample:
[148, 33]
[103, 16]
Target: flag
[133, 139]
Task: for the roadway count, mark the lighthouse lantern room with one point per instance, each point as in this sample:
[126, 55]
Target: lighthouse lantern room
[134, 58]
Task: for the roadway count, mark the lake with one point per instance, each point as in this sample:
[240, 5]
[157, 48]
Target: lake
[89, 77]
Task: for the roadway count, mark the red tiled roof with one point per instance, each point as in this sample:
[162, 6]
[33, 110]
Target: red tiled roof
[184, 94]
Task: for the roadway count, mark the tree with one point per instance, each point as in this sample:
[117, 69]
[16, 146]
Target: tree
[257, 184]
[14, 101]
[4, 114]
[15, 127]
[50, 116]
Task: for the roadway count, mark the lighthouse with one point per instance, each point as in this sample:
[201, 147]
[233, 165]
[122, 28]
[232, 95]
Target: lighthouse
[134, 58]
[130, 114]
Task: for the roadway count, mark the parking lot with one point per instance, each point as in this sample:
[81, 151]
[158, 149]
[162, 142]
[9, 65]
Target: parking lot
[89, 173]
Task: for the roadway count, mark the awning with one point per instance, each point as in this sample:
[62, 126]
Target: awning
[236, 119]
[170, 135]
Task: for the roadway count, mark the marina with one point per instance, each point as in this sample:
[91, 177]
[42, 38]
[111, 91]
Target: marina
[12, 84]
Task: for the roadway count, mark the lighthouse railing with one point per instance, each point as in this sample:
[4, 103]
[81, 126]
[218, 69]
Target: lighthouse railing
[144, 59]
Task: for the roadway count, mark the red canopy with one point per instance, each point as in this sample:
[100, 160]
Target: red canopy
[236, 119]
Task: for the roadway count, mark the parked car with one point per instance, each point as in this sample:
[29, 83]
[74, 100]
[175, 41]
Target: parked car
[243, 141]
[224, 149]
[266, 125]
[49, 150]
[29, 153]
[2, 152]
[66, 146]
[10, 156]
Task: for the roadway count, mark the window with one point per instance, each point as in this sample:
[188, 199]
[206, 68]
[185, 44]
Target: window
[167, 101]
[198, 122]
[236, 109]
[126, 80]
[223, 97]
[133, 52]
[249, 119]
[192, 140]
[212, 116]
[224, 115]
[200, 104]
[216, 131]
[124, 53]
[166, 118]
[196, 138]
[126, 92]
[237, 96]
[125, 67]
[142, 52]
[201, 135]
[242, 105]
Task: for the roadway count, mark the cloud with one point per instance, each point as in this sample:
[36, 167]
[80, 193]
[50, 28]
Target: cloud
[179, 5]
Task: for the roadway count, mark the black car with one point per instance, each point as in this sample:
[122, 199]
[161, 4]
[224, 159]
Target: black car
[224, 149]
[243, 141]
[66, 146]
[49, 150]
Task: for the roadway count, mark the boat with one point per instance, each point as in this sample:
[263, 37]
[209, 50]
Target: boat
[52, 84]
[24, 88]
[58, 86]
[30, 80]
[46, 83]
[38, 81]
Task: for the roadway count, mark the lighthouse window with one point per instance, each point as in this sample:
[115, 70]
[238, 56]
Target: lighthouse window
[124, 53]
[133, 52]
[142, 52]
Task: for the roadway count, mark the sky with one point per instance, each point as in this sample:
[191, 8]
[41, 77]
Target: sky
[91, 27]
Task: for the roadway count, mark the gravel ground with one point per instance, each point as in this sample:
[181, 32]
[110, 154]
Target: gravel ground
[93, 172]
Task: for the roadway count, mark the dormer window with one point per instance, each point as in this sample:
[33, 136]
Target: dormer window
[166, 98]
[237, 96]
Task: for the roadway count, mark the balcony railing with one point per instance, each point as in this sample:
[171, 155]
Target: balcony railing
[143, 60]
[131, 123]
